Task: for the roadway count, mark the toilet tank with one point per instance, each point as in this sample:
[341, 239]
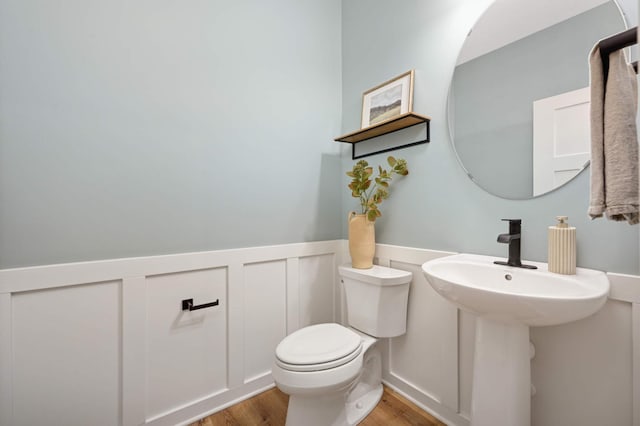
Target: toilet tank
[376, 299]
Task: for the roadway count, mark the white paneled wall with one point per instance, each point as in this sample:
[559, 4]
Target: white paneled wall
[107, 343]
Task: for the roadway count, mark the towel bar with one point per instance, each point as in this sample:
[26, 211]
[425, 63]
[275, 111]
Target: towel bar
[616, 42]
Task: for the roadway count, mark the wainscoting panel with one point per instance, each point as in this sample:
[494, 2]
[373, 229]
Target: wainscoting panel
[317, 289]
[569, 390]
[66, 347]
[426, 356]
[186, 350]
[424, 364]
[265, 322]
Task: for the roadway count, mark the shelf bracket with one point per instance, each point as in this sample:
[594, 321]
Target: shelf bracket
[395, 124]
[427, 139]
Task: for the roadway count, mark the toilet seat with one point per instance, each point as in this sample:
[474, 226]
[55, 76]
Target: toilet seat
[318, 347]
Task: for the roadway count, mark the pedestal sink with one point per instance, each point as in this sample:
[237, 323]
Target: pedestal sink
[507, 300]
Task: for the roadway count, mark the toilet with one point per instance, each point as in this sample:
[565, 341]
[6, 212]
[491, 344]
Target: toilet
[333, 373]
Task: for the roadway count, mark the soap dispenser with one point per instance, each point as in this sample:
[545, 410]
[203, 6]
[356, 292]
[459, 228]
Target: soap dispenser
[562, 247]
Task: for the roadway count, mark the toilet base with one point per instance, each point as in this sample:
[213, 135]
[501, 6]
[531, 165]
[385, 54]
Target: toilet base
[358, 409]
[331, 410]
[346, 407]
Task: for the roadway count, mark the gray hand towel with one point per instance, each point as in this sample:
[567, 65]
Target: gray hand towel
[614, 139]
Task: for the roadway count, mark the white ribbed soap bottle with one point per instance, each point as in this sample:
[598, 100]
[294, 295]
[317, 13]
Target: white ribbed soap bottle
[562, 247]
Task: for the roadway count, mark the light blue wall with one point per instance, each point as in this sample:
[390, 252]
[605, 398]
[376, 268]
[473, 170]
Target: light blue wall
[149, 127]
[437, 206]
[152, 126]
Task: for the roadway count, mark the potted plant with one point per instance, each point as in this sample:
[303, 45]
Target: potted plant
[362, 244]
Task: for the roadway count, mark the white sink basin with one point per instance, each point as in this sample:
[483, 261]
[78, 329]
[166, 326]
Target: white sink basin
[507, 301]
[533, 297]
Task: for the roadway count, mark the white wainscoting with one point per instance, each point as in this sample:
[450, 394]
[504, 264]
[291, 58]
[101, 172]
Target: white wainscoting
[106, 342]
[585, 373]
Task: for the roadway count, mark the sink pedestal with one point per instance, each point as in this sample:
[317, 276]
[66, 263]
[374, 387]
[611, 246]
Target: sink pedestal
[501, 392]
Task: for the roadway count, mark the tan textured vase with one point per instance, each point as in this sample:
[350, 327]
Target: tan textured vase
[362, 240]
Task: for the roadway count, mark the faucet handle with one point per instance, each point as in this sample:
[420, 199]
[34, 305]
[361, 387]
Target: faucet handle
[515, 221]
[514, 225]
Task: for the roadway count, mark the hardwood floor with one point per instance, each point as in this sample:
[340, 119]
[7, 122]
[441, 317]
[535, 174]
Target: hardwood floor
[270, 409]
[267, 408]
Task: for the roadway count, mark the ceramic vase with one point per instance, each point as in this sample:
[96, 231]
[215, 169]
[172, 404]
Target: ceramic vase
[362, 240]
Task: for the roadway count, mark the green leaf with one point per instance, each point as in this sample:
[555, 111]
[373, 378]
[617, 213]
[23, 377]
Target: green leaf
[361, 183]
[401, 167]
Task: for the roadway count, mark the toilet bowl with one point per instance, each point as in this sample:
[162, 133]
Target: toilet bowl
[333, 373]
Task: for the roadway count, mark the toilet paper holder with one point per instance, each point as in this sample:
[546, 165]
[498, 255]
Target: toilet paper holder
[187, 305]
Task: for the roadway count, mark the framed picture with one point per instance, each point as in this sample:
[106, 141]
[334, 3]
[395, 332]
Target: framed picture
[388, 100]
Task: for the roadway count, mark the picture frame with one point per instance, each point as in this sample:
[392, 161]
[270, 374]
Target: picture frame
[388, 100]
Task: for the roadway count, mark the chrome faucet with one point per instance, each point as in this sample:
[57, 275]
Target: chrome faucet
[513, 238]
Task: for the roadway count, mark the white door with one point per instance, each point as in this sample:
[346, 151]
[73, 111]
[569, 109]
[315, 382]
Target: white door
[561, 139]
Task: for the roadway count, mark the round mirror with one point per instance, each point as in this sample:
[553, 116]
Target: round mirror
[519, 97]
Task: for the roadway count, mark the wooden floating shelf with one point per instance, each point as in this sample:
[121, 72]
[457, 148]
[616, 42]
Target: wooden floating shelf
[398, 123]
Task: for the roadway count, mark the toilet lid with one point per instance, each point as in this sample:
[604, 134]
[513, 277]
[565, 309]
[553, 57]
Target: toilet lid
[319, 344]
